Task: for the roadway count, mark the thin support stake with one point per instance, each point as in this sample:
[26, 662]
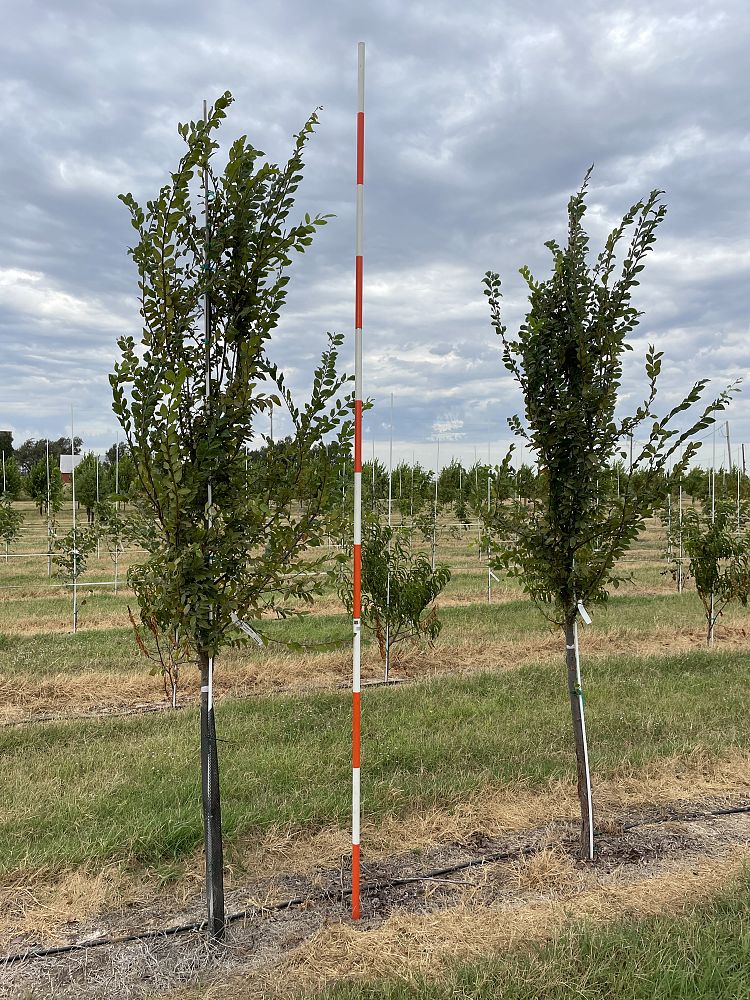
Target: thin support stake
[435, 505]
[75, 546]
[587, 769]
[388, 579]
[49, 525]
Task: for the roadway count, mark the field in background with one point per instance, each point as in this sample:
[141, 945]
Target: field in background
[471, 742]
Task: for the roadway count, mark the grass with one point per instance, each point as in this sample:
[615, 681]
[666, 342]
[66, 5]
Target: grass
[128, 789]
[703, 954]
[114, 649]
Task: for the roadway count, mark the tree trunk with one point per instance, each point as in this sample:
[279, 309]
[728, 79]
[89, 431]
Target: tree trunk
[211, 809]
[579, 733]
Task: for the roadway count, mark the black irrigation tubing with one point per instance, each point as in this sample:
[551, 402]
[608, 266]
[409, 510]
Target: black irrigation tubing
[121, 713]
[369, 888]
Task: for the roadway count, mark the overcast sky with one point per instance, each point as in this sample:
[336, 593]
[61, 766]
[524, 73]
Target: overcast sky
[481, 119]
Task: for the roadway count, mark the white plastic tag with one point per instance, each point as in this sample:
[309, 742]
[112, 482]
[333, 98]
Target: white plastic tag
[585, 617]
[244, 627]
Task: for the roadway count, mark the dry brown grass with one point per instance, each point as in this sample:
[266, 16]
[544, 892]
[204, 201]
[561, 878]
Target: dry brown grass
[508, 809]
[46, 906]
[43, 901]
[242, 674]
[407, 945]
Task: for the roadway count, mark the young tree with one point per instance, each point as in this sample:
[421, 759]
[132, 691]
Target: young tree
[92, 485]
[11, 522]
[10, 479]
[719, 559]
[399, 589]
[221, 547]
[567, 360]
[72, 550]
[41, 491]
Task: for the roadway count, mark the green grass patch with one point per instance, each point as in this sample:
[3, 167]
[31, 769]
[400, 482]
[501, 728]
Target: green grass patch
[107, 651]
[701, 955]
[90, 791]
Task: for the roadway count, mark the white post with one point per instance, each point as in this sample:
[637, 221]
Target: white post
[679, 558]
[388, 580]
[738, 499]
[117, 506]
[49, 525]
[98, 553]
[75, 548]
[489, 507]
[669, 525]
[435, 505]
[411, 500]
[713, 521]
[729, 446]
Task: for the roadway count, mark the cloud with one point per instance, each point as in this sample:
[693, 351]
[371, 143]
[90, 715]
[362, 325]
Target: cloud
[481, 120]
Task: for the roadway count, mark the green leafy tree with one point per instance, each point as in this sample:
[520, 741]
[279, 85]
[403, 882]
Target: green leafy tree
[222, 547]
[11, 523]
[33, 451]
[92, 485]
[120, 470]
[719, 559]
[70, 555]
[71, 551]
[10, 481]
[399, 589]
[417, 493]
[40, 491]
[567, 360]
[696, 484]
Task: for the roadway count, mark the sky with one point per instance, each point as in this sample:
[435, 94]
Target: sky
[481, 120]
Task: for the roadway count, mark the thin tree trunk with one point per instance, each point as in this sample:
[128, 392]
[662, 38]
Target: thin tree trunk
[579, 733]
[211, 810]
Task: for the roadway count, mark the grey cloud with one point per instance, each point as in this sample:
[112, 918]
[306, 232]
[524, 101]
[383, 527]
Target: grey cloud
[481, 120]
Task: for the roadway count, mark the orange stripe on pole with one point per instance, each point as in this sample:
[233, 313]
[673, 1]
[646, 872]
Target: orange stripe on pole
[358, 293]
[360, 147]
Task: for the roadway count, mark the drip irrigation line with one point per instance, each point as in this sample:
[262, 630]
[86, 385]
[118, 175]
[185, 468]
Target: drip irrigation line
[167, 706]
[367, 888]
[148, 935]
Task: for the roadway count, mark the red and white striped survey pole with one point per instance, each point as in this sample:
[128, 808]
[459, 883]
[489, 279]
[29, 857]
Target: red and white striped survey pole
[356, 602]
